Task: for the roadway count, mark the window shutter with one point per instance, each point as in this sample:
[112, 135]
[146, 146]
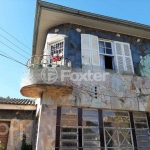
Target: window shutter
[95, 50]
[85, 49]
[123, 57]
[46, 59]
[128, 58]
[119, 57]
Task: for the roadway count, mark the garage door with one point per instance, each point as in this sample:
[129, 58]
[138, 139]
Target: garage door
[4, 130]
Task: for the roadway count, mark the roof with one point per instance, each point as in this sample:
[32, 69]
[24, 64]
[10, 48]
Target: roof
[49, 15]
[15, 101]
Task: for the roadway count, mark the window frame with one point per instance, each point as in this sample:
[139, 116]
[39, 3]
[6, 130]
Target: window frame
[54, 43]
[102, 113]
[105, 54]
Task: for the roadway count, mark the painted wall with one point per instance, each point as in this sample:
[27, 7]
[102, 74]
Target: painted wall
[73, 42]
[17, 129]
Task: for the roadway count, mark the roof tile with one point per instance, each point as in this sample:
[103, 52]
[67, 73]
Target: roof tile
[17, 101]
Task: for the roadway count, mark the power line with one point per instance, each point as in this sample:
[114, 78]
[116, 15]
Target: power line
[13, 49]
[15, 45]
[6, 54]
[8, 85]
[14, 38]
[12, 59]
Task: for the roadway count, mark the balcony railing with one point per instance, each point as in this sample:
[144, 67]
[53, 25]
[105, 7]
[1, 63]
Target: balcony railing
[41, 67]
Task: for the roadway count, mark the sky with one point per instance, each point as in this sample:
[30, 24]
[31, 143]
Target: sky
[17, 20]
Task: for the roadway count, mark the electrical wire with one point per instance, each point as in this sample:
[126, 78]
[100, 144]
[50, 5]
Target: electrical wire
[8, 85]
[13, 49]
[6, 54]
[13, 59]
[14, 38]
[15, 45]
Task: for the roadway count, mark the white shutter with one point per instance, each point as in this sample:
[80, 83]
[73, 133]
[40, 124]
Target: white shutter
[95, 50]
[85, 49]
[119, 57]
[46, 59]
[128, 58]
[123, 57]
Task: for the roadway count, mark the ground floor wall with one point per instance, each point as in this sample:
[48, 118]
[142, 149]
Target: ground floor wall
[47, 128]
[16, 131]
[13, 124]
[61, 128]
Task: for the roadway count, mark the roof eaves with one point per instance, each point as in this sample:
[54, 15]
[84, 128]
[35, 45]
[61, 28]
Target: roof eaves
[93, 16]
[50, 6]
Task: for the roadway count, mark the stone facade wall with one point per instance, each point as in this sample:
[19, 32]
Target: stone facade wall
[73, 42]
[17, 129]
[117, 91]
[47, 127]
[124, 92]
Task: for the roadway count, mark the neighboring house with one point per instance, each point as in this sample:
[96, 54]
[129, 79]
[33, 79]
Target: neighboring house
[108, 109]
[16, 118]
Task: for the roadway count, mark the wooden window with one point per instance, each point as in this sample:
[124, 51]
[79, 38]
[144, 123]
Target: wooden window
[57, 48]
[117, 130]
[142, 130]
[123, 58]
[54, 49]
[107, 54]
[90, 129]
[69, 128]
[89, 49]
[86, 129]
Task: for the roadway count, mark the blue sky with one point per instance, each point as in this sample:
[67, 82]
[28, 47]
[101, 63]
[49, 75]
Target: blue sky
[17, 18]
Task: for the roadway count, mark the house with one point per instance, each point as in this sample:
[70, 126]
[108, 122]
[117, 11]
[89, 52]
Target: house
[91, 73]
[16, 118]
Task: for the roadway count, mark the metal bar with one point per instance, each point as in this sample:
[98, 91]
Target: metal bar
[148, 119]
[133, 131]
[57, 142]
[80, 128]
[101, 127]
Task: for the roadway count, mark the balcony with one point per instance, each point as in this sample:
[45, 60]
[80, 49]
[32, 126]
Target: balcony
[44, 74]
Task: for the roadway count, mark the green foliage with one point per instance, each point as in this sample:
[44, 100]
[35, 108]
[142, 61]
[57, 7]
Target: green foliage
[25, 146]
[1, 146]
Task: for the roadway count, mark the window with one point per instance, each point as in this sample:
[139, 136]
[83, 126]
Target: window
[108, 129]
[117, 130]
[106, 55]
[57, 48]
[109, 55]
[54, 53]
[69, 128]
[142, 130]
[90, 130]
